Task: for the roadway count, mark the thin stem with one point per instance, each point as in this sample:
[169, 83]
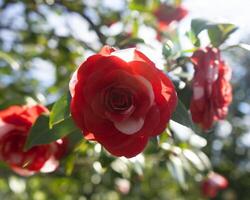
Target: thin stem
[95, 28]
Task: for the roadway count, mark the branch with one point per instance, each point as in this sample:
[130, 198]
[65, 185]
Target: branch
[95, 28]
[91, 23]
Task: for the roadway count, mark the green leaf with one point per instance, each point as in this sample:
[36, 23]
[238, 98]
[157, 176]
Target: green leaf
[130, 41]
[198, 25]
[13, 64]
[40, 132]
[182, 116]
[60, 110]
[193, 38]
[135, 28]
[217, 32]
[142, 5]
[70, 163]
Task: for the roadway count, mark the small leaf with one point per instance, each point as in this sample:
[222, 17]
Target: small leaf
[217, 32]
[129, 42]
[70, 163]
[13, 64]
[40, 132]
[182, 116]
[60, 110]
[141, 5]
[198, 25]
[193, 38]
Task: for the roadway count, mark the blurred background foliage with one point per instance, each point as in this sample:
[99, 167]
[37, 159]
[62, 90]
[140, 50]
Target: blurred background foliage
[42, 43]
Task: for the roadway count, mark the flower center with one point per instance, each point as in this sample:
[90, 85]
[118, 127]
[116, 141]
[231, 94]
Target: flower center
[118, 99]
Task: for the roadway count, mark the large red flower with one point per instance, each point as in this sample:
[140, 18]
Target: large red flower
[120, 99]
[212, 184]
[212, 92]
[15, 123]
[166, 14]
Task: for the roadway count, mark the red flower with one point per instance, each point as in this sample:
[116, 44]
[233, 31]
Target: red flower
[212, 184]
[166, 14]
[15, 123]
[120, 99]
[212, 92]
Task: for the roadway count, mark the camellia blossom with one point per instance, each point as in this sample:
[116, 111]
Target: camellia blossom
[212, 184]
[120, 99]
[166, 14]
[212, 92]
[15, 123]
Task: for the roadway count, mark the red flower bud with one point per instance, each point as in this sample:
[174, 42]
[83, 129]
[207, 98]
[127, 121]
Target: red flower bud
[166, 14]
[212, 92]
[212, 184]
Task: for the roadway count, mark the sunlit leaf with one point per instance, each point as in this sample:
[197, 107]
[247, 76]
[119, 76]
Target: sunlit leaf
[40, 132]
[217, 32]
[141, 5]
[13, 64]
[220, 32]
[60, 110]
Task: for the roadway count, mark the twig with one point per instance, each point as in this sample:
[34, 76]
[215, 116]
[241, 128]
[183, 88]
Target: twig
[95, 28]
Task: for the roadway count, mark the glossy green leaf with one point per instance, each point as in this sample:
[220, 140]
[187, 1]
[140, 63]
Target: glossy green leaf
[198, 25]
[60, 110]
[40, 132]
[182, 116]
[217, 32]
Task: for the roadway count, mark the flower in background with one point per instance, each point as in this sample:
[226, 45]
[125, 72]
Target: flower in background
[15, 123]
[212, 91]
[166, 14]
[120, 99]
[212, 184]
